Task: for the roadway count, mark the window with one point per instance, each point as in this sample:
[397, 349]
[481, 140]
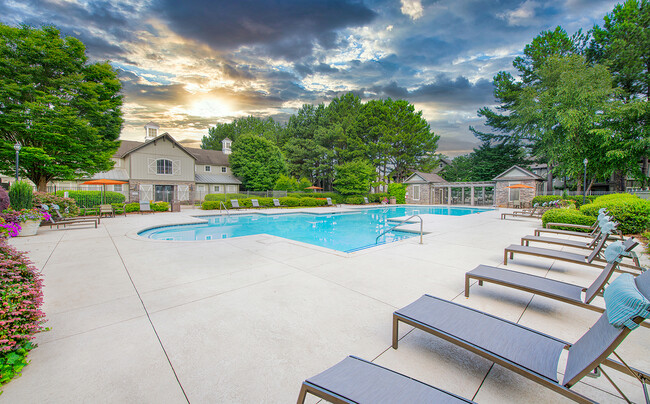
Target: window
[164, 166]
[217, 188]
[117, 187]
[513, 193]
[416, 192]
[151, 132]
[232, 188]
[223, 169]
[208, 168]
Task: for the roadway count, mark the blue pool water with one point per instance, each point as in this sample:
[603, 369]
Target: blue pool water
[345, 231]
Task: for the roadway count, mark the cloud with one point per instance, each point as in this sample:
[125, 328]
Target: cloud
[412, 8]
[522, 15]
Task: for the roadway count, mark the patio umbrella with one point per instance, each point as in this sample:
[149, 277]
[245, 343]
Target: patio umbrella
[103, 182]
[519, 186]
[314, 188]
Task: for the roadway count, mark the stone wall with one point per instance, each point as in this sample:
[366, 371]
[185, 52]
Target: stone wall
[526, 195]
[425, 189]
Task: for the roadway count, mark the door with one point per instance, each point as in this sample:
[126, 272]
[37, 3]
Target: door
[164, 193]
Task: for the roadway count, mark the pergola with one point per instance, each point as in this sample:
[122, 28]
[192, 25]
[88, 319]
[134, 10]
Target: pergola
[480, 193]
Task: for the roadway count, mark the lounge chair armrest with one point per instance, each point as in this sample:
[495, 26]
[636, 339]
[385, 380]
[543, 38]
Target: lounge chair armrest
[575, 226]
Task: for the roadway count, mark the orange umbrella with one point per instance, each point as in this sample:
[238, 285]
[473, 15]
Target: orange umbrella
[313, 188]
[103, 182]
[518, 186]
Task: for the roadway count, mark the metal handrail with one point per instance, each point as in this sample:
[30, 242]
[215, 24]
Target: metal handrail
[399, 224]
[224, 206]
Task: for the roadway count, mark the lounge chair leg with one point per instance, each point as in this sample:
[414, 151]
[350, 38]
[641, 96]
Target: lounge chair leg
[480, 283]
[505, 257]
[303, 394]
[466, 285]
[395, 330]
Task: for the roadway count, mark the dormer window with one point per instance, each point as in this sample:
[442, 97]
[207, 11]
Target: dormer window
[152, 132]
[223, 169]
[207, 169]
[164, 166]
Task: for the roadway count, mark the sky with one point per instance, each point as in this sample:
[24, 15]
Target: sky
[188, 65]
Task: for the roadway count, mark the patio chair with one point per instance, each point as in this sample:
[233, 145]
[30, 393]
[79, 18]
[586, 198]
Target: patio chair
[255, 204]
[106, 210]
[524, 213]
[56, 219]
[557, 290]
[276, 203]
[365, 200]
[587, 244]
[329, 202]
[594, 259]
[531, 353]
[354, 380]
[234, 203]
[145, 207]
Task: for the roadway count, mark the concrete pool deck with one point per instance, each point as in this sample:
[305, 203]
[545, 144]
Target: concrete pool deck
[246, 320]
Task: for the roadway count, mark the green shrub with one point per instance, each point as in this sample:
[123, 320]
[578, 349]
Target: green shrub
[90, 199]
[21, 298]
[397, 191]
[224, 197]
[336, 198]
[569, 216]
[576, 199]
[290, 201]
[68, 206]
[378, 197]
[21, 195]
[210, 205]
[631, 212]
[354, 200]
[132, 207]
[160, 206]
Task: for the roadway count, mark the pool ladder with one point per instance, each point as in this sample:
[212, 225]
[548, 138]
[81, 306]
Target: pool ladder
[224, 206]
[401, 223]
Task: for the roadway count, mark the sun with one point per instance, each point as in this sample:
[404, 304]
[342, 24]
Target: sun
[209, 107]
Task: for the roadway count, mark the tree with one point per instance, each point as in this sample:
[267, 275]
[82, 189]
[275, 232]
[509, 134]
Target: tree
[257, 161]
[284, 183]
[460, 169]
[266, 128]
[65, 112]
[391, 134]
[490, 160]
[354, 178]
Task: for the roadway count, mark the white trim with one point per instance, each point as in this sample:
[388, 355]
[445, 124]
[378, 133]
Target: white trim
[416, 187]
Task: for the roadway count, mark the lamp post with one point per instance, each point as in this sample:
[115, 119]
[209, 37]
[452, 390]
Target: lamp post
[584, 187]
[17, 147]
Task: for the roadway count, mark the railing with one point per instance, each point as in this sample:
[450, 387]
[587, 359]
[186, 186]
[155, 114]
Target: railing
[224, 206]
[401, 223]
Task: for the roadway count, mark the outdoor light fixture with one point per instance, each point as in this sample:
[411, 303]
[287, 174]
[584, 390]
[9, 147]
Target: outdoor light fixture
[17, 147]
[584, 188]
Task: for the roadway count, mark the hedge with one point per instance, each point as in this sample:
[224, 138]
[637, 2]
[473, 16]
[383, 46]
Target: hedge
[631, 212]
[573, 198]
[156, 207]
[397, 191]
[222, 197]
[90, 199]
[267, 202]
[21, 298]
[336, 198]
[569, 216]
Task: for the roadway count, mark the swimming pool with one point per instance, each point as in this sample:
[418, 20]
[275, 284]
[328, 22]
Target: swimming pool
[345, 231]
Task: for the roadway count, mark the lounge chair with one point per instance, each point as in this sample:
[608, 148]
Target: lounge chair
[234, 203]
[534, 212]
[276, 203]
[255, 203]
[145, 207]
[525, 351]
[354, 380]
[588, 244]
[594, 259]
[365, 200]
[106, 210]
[60, 220]
[329, 202]
[590, 231]
[562, 291]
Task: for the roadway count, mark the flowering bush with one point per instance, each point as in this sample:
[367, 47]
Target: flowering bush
[68, 206]
[32, 214]
[8, 229]
[4, 199]
[21, 298]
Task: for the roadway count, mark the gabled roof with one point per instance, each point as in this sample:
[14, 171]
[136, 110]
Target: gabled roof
[517, 173]
[419, 176]
[152, 125]
[132, 146]
[209, 157]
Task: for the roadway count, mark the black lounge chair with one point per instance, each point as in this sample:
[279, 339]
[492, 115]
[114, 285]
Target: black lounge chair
[605, 230]
[276, 203]
[536, 212]
[354, 380]
[525, 351]
[561, 291]
[61, 220]
[594, 259]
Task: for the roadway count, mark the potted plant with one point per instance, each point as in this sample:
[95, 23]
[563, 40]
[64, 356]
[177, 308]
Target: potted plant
[30, 220]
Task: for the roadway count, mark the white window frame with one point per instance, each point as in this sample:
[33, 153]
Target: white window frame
[170, 168]
[117, 187]
[207, 169]
[232, 188]
[416, 192]
[152, 132]
[216, 188]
